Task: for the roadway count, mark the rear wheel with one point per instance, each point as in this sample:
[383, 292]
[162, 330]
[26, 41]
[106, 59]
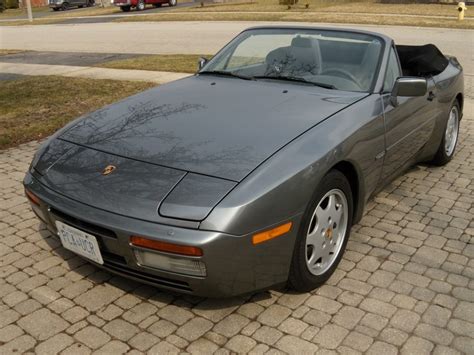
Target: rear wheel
[323, 233]
[141, 5]
[125, 8]
[90, 3]
[64, 6]
[450, 137]
[172, 2]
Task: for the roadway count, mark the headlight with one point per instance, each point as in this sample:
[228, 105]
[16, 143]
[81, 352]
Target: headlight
[179, 265]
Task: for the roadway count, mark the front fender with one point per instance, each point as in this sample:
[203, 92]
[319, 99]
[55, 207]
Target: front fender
[282, 186]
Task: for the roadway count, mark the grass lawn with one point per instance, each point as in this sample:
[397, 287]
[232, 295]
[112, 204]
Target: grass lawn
[334, 7]
[290, 16]
[318, 11]
[180, 63]
[47, 103]
[10, 51]
[20, 12]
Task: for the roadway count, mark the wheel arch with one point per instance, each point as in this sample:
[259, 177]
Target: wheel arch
[460, 99]
[353, 176]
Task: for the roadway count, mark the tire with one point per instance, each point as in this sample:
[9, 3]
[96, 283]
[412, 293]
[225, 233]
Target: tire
[448, 143]
[140, 5]
[64, 6]
[173, 2]
[324, 227]
[90, 3]
[125, 8]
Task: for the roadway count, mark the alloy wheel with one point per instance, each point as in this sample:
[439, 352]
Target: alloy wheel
[326, 232]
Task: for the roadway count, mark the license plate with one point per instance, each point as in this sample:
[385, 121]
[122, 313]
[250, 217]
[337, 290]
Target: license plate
[79, 242]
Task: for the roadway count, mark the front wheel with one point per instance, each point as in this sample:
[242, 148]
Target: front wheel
[450, 137]
[172, 2]
[141, 5]
[323, 233]
[64, 6]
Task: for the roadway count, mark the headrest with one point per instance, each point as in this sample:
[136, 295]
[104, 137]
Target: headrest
[301, 42]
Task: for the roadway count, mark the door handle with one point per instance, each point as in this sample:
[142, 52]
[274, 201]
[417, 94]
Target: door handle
[431, 96]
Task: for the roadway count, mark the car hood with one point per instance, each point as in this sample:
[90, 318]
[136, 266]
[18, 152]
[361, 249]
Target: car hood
[213, 126]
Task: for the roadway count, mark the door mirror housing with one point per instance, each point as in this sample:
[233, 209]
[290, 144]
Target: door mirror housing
[202, 62]
[408, 86]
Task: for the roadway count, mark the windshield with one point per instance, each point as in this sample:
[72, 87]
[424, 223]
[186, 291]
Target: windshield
[331, 59]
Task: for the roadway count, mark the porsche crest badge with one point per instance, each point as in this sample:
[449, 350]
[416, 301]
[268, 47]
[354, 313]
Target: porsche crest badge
[109, 169]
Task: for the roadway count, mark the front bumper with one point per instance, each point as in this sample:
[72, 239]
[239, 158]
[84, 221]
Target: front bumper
[234, 265]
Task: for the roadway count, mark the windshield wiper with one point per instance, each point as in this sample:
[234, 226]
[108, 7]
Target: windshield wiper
[225, 73]
[297, 80]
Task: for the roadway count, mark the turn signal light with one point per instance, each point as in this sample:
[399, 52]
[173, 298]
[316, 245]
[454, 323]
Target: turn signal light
[32, 197]
[164, 246]
[272, 233]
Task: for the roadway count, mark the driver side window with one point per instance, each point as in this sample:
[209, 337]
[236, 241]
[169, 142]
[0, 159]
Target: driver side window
[393, 71]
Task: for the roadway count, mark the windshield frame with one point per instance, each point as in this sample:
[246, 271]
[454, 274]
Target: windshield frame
[302, 30]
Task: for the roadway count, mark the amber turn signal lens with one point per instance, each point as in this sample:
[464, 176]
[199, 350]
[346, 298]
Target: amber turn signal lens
[32, 197]
[164, 246]
[272, 233]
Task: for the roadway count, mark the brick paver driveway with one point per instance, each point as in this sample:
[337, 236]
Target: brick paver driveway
[406, 283]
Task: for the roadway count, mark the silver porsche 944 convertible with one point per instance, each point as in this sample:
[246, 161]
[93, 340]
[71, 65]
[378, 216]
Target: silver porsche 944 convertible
[249, 174]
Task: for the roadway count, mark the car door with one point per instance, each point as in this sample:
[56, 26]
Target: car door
[408, 124]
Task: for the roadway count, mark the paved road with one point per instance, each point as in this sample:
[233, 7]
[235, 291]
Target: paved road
[197, 37]
[406, 283]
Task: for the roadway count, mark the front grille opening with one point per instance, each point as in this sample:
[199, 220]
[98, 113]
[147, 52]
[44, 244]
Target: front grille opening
[86, 227]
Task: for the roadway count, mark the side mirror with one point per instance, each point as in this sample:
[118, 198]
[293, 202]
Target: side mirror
[202, 62]
[408, 86]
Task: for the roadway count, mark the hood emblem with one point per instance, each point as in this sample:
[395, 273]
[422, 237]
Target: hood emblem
[109, 169]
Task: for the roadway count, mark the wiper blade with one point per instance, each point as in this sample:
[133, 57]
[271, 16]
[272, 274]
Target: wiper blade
[296, 79]
[225, 73]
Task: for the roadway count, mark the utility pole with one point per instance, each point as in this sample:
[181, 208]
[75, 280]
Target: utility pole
[28, 9]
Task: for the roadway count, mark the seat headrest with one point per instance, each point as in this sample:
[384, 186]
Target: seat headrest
[303, 42]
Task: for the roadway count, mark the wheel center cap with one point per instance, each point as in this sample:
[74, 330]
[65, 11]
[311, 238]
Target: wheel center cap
[329, 233]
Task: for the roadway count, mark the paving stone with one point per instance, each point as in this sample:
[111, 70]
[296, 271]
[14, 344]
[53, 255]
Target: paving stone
[405, 320]
[194, 329]
[293, 345]
[380, 347]
[240, 344]
[415, 345]
[121, 329]
[54, 344]
[436, 315]
[348, 317]
[274, 315]
[358, 341]
[97, 297]
[434, 334]
[293, 326]
[92, 337]
[267, 335]
[464, 310]
[42, 324]
[323, 304]
[175, 314]
[231, 325]
[143, 341]
[330, 336]
[202, 346]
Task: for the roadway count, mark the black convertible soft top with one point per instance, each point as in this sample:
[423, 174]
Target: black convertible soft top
[424, 60]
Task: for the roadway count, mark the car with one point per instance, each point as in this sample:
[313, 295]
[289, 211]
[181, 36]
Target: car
[249, 174]
[57, 5]
[139, 5]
